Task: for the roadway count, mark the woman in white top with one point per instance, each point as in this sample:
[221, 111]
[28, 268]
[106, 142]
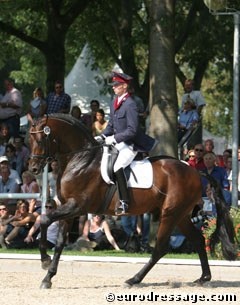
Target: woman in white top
[96, 229]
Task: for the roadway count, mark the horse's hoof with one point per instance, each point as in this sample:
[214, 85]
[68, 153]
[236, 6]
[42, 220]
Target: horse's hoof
[46, 285]
[129, 283]
[46, 263]
[203, 279]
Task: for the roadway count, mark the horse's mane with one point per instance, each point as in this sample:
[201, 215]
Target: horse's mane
[72, 121]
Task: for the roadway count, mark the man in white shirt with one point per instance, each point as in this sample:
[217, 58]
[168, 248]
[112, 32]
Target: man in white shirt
[194, 95]
[11, 108]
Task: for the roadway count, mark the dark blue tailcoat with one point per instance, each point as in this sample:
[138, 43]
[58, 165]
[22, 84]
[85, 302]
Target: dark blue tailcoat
[124, 125]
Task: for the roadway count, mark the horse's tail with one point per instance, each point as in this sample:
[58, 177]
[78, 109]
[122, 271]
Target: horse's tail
[224, 232]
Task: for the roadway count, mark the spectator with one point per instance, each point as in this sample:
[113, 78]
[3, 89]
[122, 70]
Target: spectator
[13, 173]
[31, 186]
[10, 153]
[194, 95]
[89, 118]
[209, 145]
[38, 106]
[20, 225]
[4, 134]
[190, 155]
[7, 185]
[188, 117]
[145, 222]
[5, 218]
[22, 153]
[76, 113]
[52, 230]
[11, 108]
[129, 224]
[219, 173]
[100, 124]
[209, 207]
[58, 101]
[97, 229]
[198, 162]
[229, 165]
[52, 179]
[227, 153]
[2, 147]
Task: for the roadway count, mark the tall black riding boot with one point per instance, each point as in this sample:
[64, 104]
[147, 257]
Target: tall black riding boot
[122, 192]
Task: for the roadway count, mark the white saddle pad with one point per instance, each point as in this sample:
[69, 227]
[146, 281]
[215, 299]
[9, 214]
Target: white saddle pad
[141, 175]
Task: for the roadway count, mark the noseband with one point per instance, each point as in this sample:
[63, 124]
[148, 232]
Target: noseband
[46, 157]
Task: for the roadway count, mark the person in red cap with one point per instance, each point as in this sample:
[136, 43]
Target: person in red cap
[123, 131]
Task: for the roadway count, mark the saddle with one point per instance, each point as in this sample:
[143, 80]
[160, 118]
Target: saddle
[134, 172]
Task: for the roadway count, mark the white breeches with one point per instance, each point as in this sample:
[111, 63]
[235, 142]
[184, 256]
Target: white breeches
[125, 156]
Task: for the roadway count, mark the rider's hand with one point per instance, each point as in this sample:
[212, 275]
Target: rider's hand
[110, 140]
[99, 139]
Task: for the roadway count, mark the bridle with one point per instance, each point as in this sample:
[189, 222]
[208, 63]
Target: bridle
[46, 157]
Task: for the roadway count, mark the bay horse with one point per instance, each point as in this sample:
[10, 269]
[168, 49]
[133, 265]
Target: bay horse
[175, 191]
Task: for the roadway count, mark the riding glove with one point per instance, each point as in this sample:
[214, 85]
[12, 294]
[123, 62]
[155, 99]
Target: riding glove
[110, 140]
[99, 139]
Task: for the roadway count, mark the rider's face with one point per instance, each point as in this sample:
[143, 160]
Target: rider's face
[120, 89]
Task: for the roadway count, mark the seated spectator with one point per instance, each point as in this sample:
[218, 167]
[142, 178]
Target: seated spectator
[188, 118]
[97, 230]
[13, 173]
[209, 207]
[52, 180]
[10, 152]
[22, 153]
[227, 153]
[190, 155]
[198, 162]
[19, 226]
[2, 147]
[8, 185]
[89, 118]
[52, 231]
[100, 124]
[5, 218]
[208, 145]
[76, 113]
[219, 173]
[31, 186]
[5, 135]
[37, 107]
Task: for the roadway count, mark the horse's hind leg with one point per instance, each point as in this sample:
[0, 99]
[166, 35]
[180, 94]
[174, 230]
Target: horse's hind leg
[198, 241]
[160, 249]
[52, 270]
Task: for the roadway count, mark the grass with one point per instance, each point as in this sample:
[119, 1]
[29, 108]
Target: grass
[102, 253]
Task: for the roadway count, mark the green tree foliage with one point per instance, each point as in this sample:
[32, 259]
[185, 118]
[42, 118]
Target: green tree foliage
[40, 41]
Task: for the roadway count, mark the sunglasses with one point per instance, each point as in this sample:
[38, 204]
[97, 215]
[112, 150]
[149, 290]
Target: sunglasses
[3, 209]
[191, 156]
[197, 149]
[48, 207]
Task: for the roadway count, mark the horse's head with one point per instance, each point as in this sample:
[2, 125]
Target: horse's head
[56, 136]
[41, 140]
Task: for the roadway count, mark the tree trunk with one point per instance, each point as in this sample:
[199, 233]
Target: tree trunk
[163, 96]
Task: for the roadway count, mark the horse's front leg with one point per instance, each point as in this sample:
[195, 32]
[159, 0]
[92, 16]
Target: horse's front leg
[52, 267]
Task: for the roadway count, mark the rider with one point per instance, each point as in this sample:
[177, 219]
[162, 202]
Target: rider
[123, 131]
